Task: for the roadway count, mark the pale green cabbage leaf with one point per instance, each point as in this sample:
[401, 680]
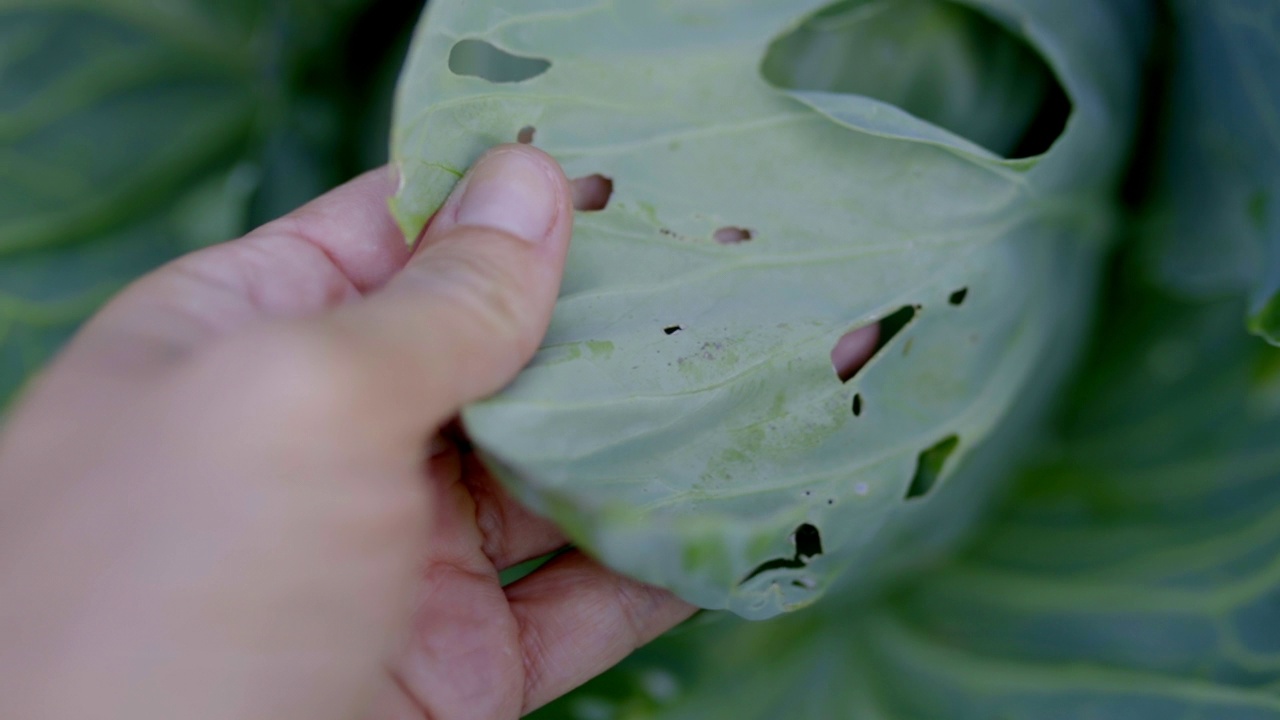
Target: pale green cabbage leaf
[1133, 575]
[683, 420]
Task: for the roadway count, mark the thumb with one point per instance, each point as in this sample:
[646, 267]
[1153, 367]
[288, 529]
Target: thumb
[471, 307]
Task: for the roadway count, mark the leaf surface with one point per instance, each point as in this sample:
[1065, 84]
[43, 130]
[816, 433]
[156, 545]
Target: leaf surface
[683, 419]
[1132, 576]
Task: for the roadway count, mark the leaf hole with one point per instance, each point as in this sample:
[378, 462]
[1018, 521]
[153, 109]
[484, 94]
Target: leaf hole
[941, 61]
[854, 350]
[592, 193]
[672, 330]
[484, 60]
[958, 297]
[857, 405]
[526, 134]
[891, 326]
[808, 544]
[733, 235]
[857, 347]
[930, 466]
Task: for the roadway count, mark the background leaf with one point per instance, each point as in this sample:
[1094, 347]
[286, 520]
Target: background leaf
[134, 131]
[1215, 225]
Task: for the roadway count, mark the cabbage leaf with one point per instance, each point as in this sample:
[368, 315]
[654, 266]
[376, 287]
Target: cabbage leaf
[1133, 575]
[1215, 220]
[135, 131]
[683, 420]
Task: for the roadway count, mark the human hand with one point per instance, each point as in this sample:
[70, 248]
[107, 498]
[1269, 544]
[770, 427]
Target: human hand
[219, 501]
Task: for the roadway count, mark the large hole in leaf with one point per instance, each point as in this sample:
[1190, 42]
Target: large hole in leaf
[477, 58]
[808, 542]
[941, 61]
[930, 466]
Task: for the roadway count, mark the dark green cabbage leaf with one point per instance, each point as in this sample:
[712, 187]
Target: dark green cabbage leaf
[1215, 223]
[1133, 575]
[133, 131]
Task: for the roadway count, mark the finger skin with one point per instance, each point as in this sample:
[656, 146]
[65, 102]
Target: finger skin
[222, 503]
[353, 227]
[464, 316]
[511, 532]
[577, 619]
[459, 662]
[853, 350]
[236, 528]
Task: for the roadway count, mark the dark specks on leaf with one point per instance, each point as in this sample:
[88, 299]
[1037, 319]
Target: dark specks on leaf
[733, 235]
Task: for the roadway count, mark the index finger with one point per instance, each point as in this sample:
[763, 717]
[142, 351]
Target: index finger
[328, 252]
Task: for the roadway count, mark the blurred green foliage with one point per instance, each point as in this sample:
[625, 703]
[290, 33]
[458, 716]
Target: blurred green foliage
[134, 131]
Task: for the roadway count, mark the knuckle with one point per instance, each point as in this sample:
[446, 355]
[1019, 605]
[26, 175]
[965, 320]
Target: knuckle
[297, 372]
[491, 521]
[638, 604]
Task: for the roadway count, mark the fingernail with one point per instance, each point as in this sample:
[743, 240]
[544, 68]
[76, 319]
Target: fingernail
[509, 191]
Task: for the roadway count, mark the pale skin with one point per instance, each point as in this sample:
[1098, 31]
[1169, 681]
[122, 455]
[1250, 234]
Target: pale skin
[224, 501]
